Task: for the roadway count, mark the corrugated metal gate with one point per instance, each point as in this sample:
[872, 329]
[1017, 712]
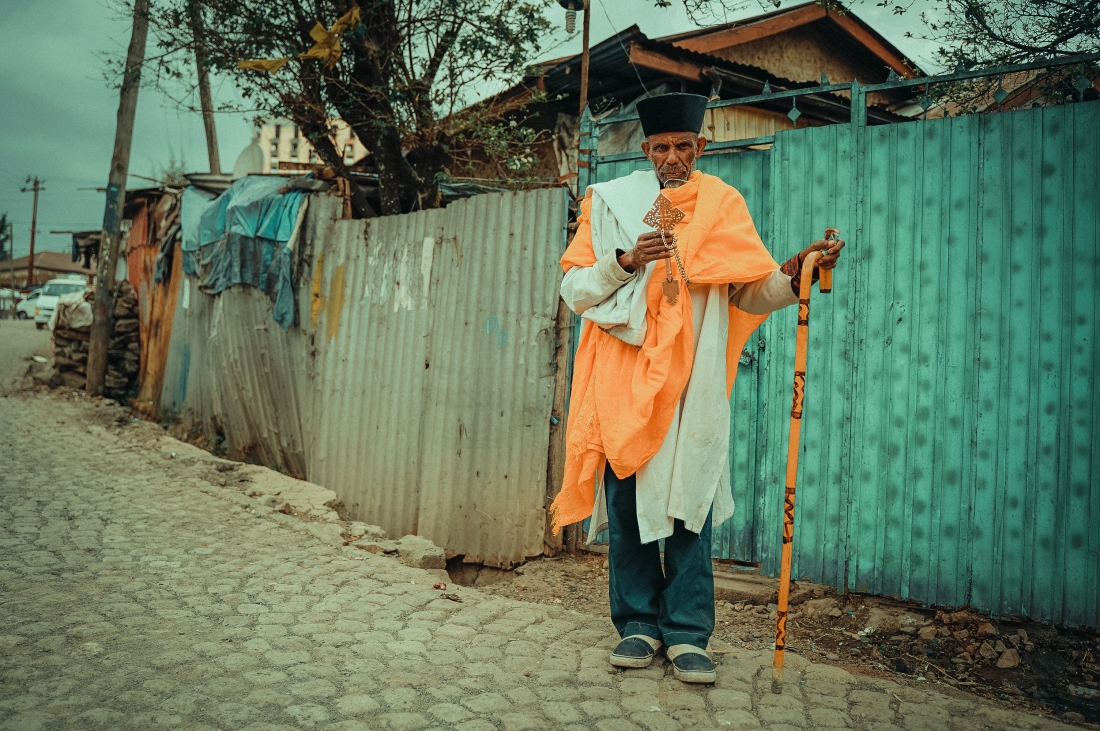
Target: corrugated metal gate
[952, 414]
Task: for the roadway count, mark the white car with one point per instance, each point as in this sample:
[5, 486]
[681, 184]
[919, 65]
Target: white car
[8, 297]
[25, 309]
[47, 301]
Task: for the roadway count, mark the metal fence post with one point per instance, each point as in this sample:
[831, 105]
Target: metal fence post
[859, 217]
[586, 153]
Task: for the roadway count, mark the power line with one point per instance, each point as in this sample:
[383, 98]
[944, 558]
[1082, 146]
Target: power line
[625, 52]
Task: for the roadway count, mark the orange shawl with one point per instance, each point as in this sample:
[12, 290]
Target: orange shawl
[624, 397]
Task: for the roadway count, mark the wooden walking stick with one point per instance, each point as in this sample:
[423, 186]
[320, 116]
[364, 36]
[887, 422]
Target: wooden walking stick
[826, 286]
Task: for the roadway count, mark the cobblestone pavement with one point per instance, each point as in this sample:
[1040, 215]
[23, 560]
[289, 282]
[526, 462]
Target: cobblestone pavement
[141, 589]
[19, 339]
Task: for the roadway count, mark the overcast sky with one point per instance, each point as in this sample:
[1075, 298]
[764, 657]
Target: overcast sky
[57, 113]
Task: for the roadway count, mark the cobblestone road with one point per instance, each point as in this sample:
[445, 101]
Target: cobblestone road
[137, 591]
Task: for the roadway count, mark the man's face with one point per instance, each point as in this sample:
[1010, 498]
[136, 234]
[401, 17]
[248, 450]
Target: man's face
[673, 155]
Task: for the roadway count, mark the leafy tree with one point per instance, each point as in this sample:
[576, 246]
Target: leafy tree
[406, 79]
[974, 32]
[998, 32]
[989, 33]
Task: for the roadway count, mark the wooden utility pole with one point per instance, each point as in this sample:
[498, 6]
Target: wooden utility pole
[116, 199]
[32, 184]
[205, 101]
[584, 58]
[564, 323]
[11, 268]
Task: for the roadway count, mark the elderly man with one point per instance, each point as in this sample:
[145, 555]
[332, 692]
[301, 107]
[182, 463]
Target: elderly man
[671, 277]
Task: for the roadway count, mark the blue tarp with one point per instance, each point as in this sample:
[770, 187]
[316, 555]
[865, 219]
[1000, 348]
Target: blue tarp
[194, 202]
[252, 206]
[241, 237]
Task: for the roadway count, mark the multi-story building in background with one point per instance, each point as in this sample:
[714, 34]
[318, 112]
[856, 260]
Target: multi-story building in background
[286, 148]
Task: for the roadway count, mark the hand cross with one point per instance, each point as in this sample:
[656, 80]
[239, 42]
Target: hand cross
[663, 216]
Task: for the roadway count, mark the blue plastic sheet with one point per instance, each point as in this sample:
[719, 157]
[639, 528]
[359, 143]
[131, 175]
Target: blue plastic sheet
[252, 206]
[241, 237]
[192, 206]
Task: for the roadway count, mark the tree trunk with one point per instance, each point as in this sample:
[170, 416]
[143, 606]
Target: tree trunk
[205, 101]
[397, 182]
[116, 200]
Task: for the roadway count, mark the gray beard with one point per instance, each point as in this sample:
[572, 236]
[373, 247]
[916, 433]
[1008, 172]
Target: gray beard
[676, 182]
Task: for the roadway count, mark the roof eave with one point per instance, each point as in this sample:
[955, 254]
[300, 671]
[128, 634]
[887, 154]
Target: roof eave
[770, 24]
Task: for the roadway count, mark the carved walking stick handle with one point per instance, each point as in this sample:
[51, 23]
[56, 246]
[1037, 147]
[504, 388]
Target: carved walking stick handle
[825, 285]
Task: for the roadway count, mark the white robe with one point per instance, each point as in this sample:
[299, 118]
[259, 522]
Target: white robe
[689, 474]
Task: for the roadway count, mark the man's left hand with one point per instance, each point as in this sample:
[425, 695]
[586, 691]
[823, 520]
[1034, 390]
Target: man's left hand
[830, 252]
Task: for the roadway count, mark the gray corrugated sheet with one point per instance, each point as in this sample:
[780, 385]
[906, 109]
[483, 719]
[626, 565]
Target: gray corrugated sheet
[419, 382]
[234, 374]
[433, 388]
[370, 340]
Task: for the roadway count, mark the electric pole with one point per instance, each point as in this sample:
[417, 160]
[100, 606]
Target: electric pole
[570, 28]
[32, 184]
[11, 267]
[116, 198]
[584, 59]
[205, 101]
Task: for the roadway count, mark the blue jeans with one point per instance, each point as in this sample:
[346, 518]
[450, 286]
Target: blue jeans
[676, 605]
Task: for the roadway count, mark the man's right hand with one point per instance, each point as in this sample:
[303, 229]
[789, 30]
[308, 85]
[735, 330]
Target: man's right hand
[648, 248]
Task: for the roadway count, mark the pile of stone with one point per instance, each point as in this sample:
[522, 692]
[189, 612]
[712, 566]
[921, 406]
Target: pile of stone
[72, 331]
[980, 643]
[968, 639]
[415, 551]
[124, 349]
[72, 326]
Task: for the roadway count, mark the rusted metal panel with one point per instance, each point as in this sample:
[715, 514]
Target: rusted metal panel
[158, 309]
[156, 300]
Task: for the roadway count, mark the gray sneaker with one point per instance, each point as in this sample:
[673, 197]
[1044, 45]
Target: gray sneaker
[691, 665]
[635, 651]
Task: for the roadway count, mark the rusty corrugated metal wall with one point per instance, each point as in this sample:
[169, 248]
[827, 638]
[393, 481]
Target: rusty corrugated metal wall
[434, 379]
[419, 381]
[157, 301]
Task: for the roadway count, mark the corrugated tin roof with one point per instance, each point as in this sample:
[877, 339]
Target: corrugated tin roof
[615, 81]
[49, 261]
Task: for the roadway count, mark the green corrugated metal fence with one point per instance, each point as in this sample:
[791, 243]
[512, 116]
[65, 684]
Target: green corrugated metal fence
[951, 414]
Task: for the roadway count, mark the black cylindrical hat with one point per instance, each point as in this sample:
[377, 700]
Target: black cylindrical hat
[672, 113]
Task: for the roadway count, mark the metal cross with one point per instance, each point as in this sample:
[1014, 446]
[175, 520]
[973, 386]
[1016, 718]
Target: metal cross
[663, 216]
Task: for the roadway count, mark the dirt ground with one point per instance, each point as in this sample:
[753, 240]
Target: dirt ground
[21, 341]
[1049, 669]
